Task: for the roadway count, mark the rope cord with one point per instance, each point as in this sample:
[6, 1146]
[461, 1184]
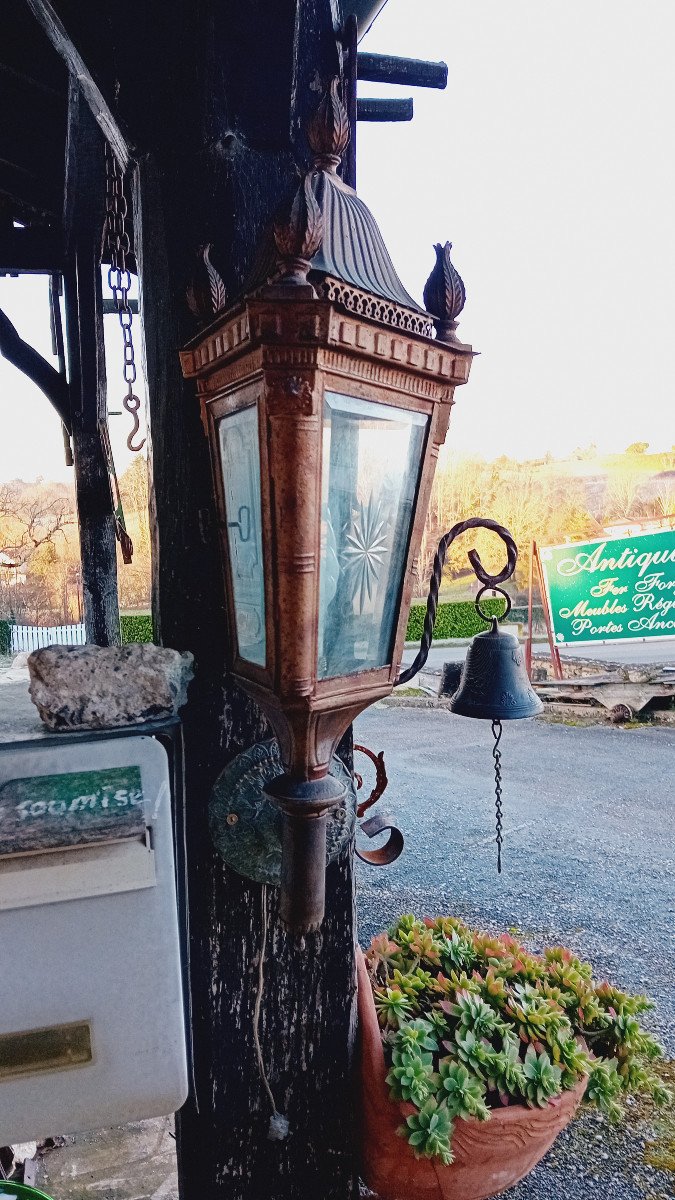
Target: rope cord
[278, 1129]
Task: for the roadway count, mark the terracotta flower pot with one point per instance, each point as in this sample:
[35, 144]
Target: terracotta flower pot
[490, 1156]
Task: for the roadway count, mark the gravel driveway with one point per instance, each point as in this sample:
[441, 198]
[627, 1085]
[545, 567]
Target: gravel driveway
[589, 850]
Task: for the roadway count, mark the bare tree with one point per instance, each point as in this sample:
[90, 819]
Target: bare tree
[29, 520]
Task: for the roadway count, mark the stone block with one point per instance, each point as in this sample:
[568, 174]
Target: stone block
[103, 687]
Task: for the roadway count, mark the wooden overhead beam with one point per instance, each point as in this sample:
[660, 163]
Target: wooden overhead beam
[34, 251]
[412, 72]
[23, 188]
[27, 360]
[85, 205]
[24, 80]
[65, 42]
[384, 110]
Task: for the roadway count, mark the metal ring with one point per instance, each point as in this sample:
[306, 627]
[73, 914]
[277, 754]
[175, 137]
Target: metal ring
[488, 616]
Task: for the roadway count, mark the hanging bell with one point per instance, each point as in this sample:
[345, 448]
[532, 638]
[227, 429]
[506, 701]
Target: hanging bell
[494, 684]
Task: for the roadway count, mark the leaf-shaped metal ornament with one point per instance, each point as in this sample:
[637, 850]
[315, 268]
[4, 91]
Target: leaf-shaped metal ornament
[298, 233]
[218, 293]
[328, 129]
[206, 294]
[444, 294]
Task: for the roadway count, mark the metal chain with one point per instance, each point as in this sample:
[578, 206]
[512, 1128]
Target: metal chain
[118, 247]
[497, 755]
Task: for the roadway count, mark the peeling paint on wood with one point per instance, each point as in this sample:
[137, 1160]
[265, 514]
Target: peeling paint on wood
[186, 197]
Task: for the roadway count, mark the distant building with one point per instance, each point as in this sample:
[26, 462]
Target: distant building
[16, 571]
[625, 528]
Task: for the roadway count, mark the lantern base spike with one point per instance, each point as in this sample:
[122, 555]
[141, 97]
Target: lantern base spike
[305, 804]
[303, 873]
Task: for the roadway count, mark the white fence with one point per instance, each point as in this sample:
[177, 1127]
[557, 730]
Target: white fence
[34, 637]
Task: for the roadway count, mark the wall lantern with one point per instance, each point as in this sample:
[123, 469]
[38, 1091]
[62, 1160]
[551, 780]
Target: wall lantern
[325, 398]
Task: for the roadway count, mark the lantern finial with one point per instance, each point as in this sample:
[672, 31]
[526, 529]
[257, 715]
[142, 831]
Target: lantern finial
[328, 129]
[444, 294]
[298, 232]
[206, 294]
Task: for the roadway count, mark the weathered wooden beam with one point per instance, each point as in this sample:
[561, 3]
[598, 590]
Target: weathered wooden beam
[384, 110]
[202, 186]
[413, 72]
[65, 42]
[27, 192]
[85, 192]
[350, 43]
[31, 363]
[31, 251]
[110, 308]
[29, 82]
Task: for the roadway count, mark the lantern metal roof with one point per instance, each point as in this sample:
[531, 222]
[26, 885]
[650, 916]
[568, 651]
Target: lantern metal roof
[365, 12]
[353, 248]
[347, 257]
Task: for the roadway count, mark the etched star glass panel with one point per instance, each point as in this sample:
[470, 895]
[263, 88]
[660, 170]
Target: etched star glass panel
[371, 460]
[240, 457]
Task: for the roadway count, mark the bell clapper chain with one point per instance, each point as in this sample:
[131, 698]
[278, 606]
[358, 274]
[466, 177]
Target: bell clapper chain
[493, 684]
[497, 756]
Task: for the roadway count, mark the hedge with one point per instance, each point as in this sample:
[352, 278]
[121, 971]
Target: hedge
[136, 627]
[455, 619]
[519, 614]
[5, 637]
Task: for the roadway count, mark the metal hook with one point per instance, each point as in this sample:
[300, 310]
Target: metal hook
[488, 581]
[132, 405]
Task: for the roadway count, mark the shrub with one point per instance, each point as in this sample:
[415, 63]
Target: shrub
[5, 637]
[470, 1022]
[136, 627]
[454, 619]
[518, 615]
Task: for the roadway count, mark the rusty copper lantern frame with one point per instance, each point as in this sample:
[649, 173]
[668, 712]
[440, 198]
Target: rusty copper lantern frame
[283, 355]
[280, 350]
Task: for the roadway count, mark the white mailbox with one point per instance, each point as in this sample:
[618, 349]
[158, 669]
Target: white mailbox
[91, 1009]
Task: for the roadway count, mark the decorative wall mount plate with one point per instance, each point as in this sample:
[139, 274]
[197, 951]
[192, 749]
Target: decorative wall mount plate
[246, 826]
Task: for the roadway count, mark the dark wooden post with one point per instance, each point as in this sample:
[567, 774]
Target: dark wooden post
[84, 214]
[211, 99]
[217, 179]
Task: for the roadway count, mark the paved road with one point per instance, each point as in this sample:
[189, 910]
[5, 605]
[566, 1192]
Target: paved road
[625, 652]
[589, 857]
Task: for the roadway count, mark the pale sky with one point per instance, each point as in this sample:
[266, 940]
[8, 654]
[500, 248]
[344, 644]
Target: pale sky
[548, 162]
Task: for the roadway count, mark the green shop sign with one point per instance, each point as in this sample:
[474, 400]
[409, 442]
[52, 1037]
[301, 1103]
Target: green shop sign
[612, 590]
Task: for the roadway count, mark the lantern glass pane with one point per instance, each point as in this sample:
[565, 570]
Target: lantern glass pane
[372, 456]
[240, 459]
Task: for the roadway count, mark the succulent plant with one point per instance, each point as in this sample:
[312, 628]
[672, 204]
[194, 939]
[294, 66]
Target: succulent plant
[413, 1078]
[463, 1093]
[392, 1006]
[604, 1087]
[542, 1077]
[471, 1021]
[472, 1012]
[505, 1072]
[416, 1036]
[456, 951]
[429, 1131]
